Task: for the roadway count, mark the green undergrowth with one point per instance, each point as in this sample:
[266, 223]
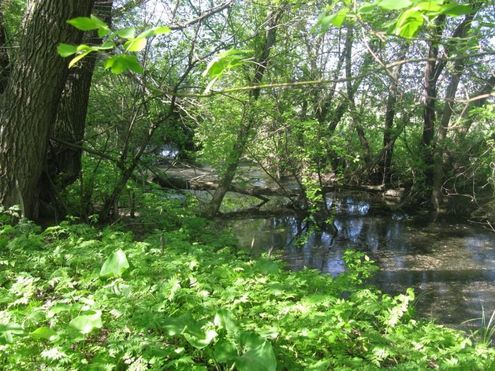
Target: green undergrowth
[77, 297]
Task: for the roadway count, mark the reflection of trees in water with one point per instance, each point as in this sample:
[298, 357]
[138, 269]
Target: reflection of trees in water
[409, 257]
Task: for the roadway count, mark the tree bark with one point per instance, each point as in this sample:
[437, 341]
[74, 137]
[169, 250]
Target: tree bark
[248, 123]
[388, 137]
[4, 56]
[433, 70]
[64, 162]
[458, 68]
[31, 99]
[350, 96]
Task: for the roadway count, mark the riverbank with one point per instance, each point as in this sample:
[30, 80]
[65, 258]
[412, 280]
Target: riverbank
[187, 298]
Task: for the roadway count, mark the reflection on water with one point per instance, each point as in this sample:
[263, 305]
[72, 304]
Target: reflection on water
[451, 266]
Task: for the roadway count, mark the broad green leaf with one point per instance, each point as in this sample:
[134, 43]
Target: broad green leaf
[455, 10]
[135, 45]
[43, 333]
[87, 23]
[394, 4]
[367, 8]
[116, 264]
[103, 31]
[200, 339]
[127, 33]
[224, 351]
[87, 323]
[410, 28]
[225, 319]
[123, 63]
[323, 23]
[429, 6]
[338, 19]
[66, 50]
[260, 358]
[409, 23]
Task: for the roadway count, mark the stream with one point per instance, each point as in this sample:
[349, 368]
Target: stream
[450, 265]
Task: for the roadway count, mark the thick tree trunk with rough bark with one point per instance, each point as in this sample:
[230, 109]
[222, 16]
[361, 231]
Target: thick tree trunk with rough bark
[4, 56]
[248, 123]
[31, 99]
[64, 162]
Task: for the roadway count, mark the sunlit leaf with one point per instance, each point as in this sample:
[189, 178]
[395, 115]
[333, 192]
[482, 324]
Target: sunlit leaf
[87, 323]
[43, 333]
[260, 358]
[127, 33]
[455, 10]
[200, 339]
[87, 23]
[135, 45]
[117, 263]
[66, 50]
[338, 19]
[394, 4]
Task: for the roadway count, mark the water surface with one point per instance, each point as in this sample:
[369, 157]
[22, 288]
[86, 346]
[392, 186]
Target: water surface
[451, 266]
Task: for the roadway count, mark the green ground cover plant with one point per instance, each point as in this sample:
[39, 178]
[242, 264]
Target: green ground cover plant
[74, 296]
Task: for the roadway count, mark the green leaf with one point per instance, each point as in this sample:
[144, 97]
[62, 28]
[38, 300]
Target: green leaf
[338, 19]
[225, 319]
[127, 33]
[161, 30]
[224, 351]
[117, 263]
[224, 61]
[74, 60]
[135, 45]
[409, 23]
[429, 6]
[87, 23]
[66, 50]
[103, 31]
[367, 8]
[394, 4]
[260, 358]
[43, 333]
[455, 10]
[87, 323]
[200, 339]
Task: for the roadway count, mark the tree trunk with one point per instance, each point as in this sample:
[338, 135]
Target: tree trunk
[351, 90]
[4, 56]
[458, 68]
[248, 123]
[64, 162]
[388, 137]
[31, 99]
[432, 72]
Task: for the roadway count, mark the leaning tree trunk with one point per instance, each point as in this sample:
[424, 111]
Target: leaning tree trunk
[64, 162]
[248, 123]
[31, 99]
